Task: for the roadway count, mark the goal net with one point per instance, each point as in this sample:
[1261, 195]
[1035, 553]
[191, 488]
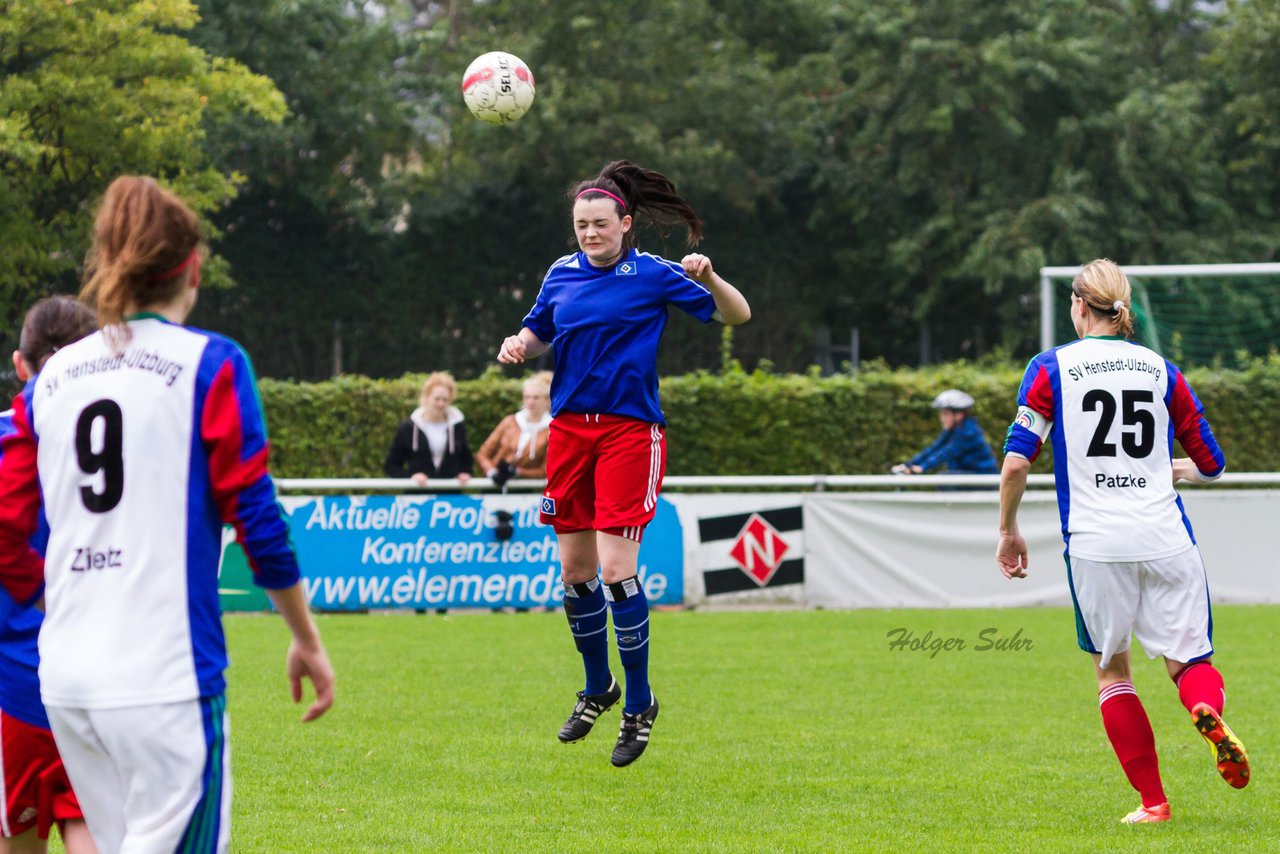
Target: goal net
[1216, 315]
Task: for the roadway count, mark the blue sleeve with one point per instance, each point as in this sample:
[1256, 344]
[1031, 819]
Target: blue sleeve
[1035, 410]
[934, 455]
[683, 292]
[1186, 413]
[234, 434]
[541, 318]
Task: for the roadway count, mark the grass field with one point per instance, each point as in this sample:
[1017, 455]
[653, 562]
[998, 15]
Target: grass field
[780, 731]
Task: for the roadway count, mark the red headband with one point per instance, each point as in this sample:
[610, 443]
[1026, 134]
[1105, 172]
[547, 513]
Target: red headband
[177, 271]
[606, 192]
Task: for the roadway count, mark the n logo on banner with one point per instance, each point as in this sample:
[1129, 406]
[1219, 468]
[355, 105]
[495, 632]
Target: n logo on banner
[764, 549]
[759, 549]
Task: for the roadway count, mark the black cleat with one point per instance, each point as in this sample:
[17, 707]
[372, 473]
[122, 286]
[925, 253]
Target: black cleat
[588, 708]
[633, 737]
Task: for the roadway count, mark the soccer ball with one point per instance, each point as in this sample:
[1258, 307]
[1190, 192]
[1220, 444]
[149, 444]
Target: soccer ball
[498, 87]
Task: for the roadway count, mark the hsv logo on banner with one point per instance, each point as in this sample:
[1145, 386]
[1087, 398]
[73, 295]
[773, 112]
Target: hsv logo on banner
[757, 550]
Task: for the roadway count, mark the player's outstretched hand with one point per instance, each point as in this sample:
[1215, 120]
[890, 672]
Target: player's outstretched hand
[1011, 555]
[697, 267]
[1184, 469]
[512, 350]
[310, 662]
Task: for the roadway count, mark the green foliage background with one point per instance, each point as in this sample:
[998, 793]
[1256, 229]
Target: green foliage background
[902, 167]
[742, 422]
[92, 89]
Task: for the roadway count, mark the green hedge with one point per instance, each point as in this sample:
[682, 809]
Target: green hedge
[745, 423]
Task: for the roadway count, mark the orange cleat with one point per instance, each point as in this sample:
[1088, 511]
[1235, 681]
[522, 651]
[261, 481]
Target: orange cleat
[1228, 752]
[1148, 815]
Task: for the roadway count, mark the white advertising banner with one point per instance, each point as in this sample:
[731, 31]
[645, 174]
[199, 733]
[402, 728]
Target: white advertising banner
[937, 550]
[927, 550]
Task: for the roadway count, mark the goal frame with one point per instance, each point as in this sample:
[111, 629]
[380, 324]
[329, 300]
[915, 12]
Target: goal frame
[1138, 271]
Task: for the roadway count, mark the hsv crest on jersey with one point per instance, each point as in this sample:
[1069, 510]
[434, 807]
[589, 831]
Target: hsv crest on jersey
[548, 505]
[759, 549]
[595, 362]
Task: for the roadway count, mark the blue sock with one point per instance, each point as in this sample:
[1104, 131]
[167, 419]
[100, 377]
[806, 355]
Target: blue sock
[585, 606]
[631, 626]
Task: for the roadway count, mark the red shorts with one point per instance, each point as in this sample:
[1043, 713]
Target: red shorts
[603, 474]
[36, 789]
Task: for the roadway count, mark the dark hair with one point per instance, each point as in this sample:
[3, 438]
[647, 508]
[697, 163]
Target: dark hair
[53, 323]
[646, 193]
[141, 232]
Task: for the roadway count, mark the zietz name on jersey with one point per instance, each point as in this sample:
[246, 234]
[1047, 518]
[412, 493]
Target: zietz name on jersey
[91, 558]
[1085, 369]
[1118, 481]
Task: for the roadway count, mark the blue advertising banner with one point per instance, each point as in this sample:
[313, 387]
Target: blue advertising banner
[441, 551]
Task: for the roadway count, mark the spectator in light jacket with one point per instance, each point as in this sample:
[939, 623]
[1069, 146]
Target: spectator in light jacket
[517, 447]
[432, 442]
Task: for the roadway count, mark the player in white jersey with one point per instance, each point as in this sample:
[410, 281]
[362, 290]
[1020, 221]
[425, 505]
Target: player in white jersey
[144, 439]
[1112, 409]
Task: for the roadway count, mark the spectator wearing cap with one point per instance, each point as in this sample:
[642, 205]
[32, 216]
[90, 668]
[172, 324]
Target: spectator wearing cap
[961, 447]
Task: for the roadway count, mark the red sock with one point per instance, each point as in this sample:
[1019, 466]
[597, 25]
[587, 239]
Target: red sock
[1200, 683]
[1132, 739]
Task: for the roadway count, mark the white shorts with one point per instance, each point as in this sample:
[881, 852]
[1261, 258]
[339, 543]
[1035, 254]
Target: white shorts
[150, 779]
[1163, 602]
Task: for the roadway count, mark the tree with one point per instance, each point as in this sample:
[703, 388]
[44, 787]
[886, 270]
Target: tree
[1246, 63]
[967, 144]
[91, 89]
[903, 166]
[311, 235]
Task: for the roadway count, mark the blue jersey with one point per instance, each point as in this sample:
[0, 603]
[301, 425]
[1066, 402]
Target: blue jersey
[19, 633]
[605, 324]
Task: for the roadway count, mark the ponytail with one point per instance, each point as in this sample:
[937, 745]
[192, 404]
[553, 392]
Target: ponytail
[643, 193]
[1105, 290]
[1123, 318]
[146, 246]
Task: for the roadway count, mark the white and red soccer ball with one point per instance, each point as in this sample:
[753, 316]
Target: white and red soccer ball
[498, 87]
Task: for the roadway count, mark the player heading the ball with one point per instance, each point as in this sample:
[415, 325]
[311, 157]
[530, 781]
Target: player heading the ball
[604, 309]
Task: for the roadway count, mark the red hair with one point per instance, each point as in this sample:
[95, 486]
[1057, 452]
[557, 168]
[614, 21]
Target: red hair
[142, 231]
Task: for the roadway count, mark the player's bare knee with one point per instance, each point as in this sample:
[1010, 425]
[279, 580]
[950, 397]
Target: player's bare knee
[1116, 670]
